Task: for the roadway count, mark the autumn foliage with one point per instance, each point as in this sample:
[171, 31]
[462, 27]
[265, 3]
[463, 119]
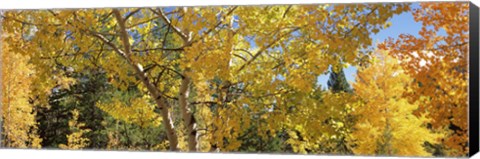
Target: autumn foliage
[438, 63]
[236, 78]
[387, 117]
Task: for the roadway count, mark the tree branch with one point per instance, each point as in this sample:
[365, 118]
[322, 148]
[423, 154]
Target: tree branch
[170, 69]
[218, 24]
[155, 49]
[259, 52]
[244, 50]
[358, 24]
[162, 15]
[237, 55]
[161, 102]
[131, 14]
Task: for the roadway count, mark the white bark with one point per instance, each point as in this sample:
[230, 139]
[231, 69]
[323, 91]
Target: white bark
[154, 92]
[188, 118]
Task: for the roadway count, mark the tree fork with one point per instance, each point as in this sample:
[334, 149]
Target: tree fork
[161, 103]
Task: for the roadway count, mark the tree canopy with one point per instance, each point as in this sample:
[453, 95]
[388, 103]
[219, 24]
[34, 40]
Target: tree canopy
[235, 78]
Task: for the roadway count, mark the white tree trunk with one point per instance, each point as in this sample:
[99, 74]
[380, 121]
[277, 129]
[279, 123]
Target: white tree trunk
[188, 118]
[154, 92]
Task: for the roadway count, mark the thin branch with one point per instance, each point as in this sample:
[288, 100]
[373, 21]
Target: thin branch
[106, 41]
[148, 68]
[102, 47]
[155, 49]
[150, 19]
[259, 52]
[105, 18]
[157, 80]
[218, 24]
[164, 17]
[244, 50]
[204, 102]
[164, 41]
[105, 34]
[131, 14]
[170, 69]
[358, 24]
[142, 22]
[237, 55]
[286, 11]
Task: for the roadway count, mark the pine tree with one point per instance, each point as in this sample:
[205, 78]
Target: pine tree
[337, 81]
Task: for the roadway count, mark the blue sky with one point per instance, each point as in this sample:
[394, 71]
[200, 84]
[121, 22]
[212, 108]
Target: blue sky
[401, 24]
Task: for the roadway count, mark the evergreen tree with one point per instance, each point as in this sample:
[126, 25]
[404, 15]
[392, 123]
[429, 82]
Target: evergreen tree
[337, 82]
[53, 119]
